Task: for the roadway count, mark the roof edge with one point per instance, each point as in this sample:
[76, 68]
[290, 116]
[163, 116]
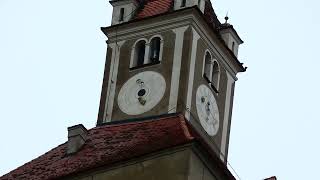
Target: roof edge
[139, 119]
[233, 30]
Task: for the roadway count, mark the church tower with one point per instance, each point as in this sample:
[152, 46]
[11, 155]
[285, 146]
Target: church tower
[171, 58]
[166, 100]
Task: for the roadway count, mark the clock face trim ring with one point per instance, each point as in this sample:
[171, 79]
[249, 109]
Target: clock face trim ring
[141, 93]
[207, 110]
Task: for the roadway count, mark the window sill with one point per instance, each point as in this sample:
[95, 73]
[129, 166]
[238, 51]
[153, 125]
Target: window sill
[144, 65]
[210, 84]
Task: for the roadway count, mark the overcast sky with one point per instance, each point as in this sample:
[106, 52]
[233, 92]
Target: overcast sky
[52, 56]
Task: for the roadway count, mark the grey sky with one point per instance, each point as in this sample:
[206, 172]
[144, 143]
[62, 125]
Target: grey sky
[52, 56]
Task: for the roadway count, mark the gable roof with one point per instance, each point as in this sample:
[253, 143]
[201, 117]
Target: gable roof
[109, 144]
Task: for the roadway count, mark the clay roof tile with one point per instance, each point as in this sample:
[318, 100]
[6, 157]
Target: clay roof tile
[106, 145]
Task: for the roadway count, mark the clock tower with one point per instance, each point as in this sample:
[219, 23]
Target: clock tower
[171, 58]
[166, 101]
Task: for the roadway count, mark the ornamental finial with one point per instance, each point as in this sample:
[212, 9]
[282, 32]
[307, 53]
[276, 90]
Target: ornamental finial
[226, 18]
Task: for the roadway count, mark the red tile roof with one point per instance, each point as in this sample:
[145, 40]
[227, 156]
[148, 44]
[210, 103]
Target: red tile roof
[155, 7]
[210, 16]
[106, 145]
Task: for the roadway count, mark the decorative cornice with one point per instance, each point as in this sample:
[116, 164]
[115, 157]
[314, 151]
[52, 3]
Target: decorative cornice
[188, 16]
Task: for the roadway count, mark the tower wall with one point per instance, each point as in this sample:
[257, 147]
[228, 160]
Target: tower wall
[185, 40]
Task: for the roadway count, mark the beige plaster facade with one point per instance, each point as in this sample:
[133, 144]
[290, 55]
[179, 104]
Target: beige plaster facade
[182, 163]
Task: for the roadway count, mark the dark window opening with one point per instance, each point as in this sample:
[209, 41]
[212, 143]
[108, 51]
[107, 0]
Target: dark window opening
[155, 50]
[233, 46]
[139, 53]
[215, 75]
[183, 3]
[121, 14]
[207, 66]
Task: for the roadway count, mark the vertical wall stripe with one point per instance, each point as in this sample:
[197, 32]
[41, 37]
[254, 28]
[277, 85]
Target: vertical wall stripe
[112, 46]
[195, 39]
[227, 109]
[176, 67]
[112, 80]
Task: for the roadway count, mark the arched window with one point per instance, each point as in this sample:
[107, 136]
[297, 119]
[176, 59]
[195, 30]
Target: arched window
[139, 52]
[207, 66]
[211, 70]
[154, 54]
[215, 75]
[146, 52]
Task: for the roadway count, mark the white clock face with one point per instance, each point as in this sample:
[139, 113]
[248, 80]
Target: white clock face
[141, 93]
[207, 110]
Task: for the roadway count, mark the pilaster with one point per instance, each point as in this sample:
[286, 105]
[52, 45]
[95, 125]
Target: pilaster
[195, 38]
[112, 80]
[226, 119]
[176, 67]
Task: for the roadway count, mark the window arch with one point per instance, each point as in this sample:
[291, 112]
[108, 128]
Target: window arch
[215, 78]
[207, 66]
[138, 53]
[146, 52]
[154, 54]
[211, 70]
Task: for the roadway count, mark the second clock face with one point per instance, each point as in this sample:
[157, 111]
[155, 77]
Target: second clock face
[207, 110]
[141, 93]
